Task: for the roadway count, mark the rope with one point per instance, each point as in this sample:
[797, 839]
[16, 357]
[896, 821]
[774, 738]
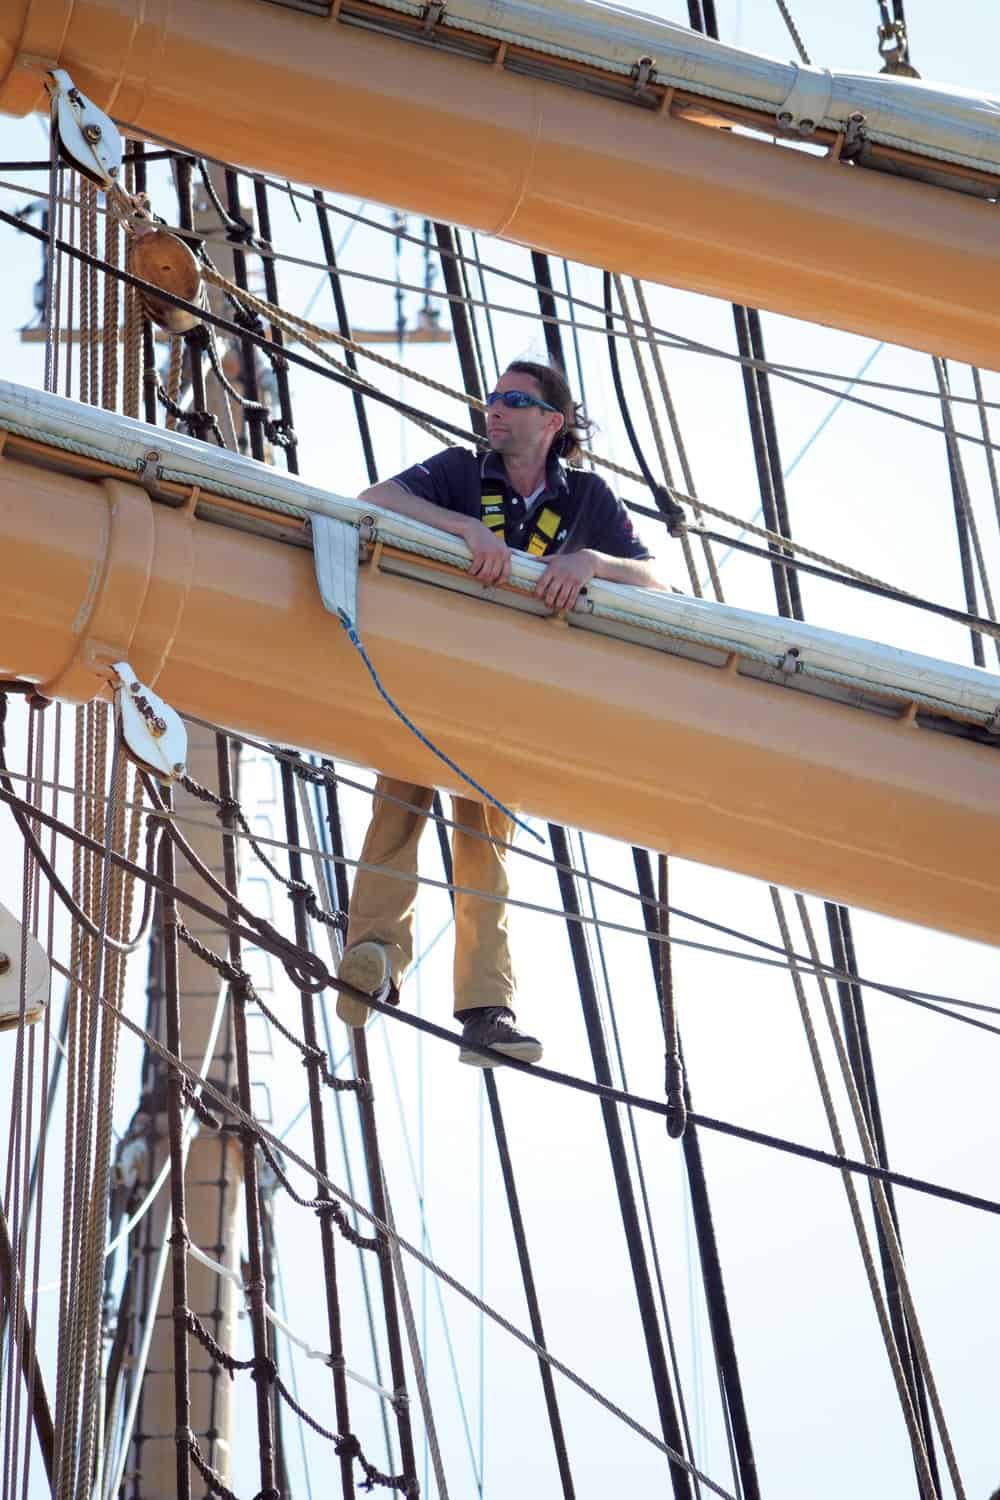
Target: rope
[416, 1357]
[793, 31]
[885, 1217]
[355, 640]
[678, 437]
[962, 494]
[655, 1106]
[281, 949]
[924, 1474]
[308, 333]
[345, 376]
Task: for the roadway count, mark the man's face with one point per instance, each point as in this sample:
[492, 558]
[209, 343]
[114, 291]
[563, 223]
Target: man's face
[520, 430]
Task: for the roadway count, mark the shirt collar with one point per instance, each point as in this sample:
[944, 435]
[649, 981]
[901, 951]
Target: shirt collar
[492, 467]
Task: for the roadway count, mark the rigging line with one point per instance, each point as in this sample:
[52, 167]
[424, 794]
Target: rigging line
[379, 1216]
[314, 1076]
[254, 1127]
[295, 1384]
[332, 370]
[793, 31]
[332, 878]
[681, 447]
[517, 1226]
[737, 1424]
[902, 1377]
[640, 1170]
[963, 505]
[539, 1071]
[253, 416]
[886, 1221]
[672, 1431]
[897, 596]
[796, 374]
[661, 493]
[425, 1240]
[356, 641]
[531, 285]
[416, 1357]
[271, 941]
[344, 324]
[855, 1028]
[266, 1422]
[340, 860]
[650, 902]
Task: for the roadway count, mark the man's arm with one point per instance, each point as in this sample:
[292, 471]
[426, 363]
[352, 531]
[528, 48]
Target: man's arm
[568, 572]
[490, 554]
[393, 497]
[640, 571]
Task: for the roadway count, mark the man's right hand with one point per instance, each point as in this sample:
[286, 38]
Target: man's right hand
[491, 558]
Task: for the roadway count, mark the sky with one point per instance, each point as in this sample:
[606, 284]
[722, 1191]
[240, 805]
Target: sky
[870, 490]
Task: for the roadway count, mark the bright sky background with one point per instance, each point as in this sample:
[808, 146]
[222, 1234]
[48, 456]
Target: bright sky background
[874, 492]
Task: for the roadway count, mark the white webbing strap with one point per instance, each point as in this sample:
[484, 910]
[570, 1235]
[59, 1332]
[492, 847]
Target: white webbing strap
[335, 548]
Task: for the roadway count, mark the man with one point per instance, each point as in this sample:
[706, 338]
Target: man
[517, 497]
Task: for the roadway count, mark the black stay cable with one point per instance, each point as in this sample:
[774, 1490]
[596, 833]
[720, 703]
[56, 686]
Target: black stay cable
[279, 363]
[667, 507]
[473, 377]
[344, 328]
[716, 1301]
[753, 391]
[788, 598]
[858, 1042]
[460, 323]
[958, 497]
[233, 328]
[247, 332]
[671, 1426]
[254, 414]
[517, 1222]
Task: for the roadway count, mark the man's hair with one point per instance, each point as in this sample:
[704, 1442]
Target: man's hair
[568, 443]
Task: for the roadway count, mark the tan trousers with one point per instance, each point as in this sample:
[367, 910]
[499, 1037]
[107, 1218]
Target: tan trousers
[382, 906]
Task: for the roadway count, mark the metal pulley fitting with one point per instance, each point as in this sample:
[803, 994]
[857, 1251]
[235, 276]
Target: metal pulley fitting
[161, 258]
[87, 139]
[153, 733]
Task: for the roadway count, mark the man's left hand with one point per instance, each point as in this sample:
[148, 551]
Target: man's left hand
[564, 577]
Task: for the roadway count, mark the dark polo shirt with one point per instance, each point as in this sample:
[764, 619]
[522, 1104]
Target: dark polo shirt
[590, 515]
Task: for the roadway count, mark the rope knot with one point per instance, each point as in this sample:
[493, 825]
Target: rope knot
[264, 1369]
[347, 1446]
[279, 431]
[672, 511]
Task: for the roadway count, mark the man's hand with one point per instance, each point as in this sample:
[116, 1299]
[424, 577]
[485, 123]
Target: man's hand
[490, 554]
[564, 577]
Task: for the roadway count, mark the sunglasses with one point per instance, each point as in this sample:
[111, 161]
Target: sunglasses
[519, 399]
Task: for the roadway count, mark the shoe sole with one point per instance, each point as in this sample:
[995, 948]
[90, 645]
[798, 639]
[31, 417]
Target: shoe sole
[526, 1052]
[364, 968]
